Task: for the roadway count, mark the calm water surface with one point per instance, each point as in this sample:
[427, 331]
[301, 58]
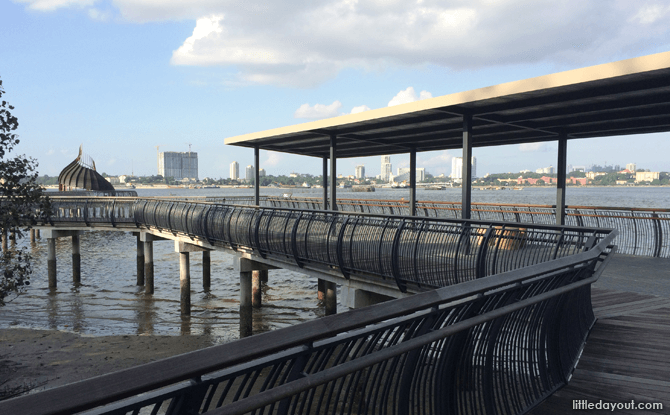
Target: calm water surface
[109, 303]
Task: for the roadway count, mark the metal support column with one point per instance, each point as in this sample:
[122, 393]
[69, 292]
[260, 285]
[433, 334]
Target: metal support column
[206, 271]
[51, 262]
[325, 183]
[185, 283]
[467, 167]
[257, 179]
[561, 177]
[140, 261]
[76, 260]
[412, 182]
[333, 172]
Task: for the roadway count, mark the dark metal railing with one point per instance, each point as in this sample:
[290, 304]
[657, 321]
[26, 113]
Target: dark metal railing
[642, 231]
[497, 345]
[425, 253]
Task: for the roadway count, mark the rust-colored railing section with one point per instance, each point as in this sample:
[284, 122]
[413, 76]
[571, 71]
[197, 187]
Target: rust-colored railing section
[642, 231]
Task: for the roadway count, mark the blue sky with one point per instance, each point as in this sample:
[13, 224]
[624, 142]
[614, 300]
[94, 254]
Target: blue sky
[123, 76]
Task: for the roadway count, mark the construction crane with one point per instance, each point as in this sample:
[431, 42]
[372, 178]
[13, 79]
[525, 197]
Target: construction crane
[158, 159]
[189, 160]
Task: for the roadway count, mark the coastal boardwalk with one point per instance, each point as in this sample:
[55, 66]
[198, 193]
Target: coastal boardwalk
[627, 354]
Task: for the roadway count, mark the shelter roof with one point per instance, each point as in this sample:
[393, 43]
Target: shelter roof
[81, 174]
[625, 97]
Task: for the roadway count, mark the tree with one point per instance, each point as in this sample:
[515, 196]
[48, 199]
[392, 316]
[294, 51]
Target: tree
[21, 204]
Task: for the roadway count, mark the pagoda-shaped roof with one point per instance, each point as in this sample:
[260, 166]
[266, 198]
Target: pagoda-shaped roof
[81, 174]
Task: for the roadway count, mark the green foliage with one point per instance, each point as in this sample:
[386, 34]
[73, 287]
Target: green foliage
[20, 201]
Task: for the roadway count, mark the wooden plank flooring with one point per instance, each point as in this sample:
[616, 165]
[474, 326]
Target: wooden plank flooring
[626, 357]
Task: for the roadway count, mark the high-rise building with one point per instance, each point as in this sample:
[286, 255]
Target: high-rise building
[178, 165]
[249, 173]
[261, 172]
[403, 174]
[631, 167]
[387, 169]
[360, 171]
[457, 167]
[234, 170]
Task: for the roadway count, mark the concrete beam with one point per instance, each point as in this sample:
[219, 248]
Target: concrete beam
[355, 298]
[186, 247]
[149, 237]
[249, 265]
[58, 233]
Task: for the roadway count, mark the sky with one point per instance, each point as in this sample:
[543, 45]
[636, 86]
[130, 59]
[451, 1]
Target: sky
[121, 77]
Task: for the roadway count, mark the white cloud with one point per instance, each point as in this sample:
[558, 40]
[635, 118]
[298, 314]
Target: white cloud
[533, 147]
[97, 14]
[408, 95]
[304, 43]
[51, 151]
[441, 159]
[318, 111]
[360, 108]
[272, 160]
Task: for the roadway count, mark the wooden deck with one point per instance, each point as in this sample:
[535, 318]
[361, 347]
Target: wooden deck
[626, 357]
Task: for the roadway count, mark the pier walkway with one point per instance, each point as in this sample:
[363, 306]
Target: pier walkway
[627, 353]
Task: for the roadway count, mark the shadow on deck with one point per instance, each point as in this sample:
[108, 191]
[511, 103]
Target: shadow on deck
[627, 353]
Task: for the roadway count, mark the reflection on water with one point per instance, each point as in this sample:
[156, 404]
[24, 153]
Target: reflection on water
[109, 303]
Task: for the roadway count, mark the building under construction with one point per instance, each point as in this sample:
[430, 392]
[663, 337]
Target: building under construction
[178, 165]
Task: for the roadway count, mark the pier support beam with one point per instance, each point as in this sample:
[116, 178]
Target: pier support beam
[148, 241]
[357, 298]
[321, 289]
[52, 235]
[140, 260]
[148, 266]
[466, 175]
[184, 250]
[51, 262]
[32, 236]
[76, 260]
[256, 289]
[185, 283]
[331, 298]
[4, 240]
[206, 271]
[561, 176]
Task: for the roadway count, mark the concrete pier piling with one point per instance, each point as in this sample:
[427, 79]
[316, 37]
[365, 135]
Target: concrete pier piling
[76, 260]
[330, 297]
[256, 289]
[32, 236]
[206, 271]
[321, 294]
[245, 288]
[185, 283]
[51, 262]
[148, 267]
[4, 241]
[140, 260]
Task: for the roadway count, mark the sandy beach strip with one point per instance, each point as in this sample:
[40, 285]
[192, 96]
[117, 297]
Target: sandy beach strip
[43, 359]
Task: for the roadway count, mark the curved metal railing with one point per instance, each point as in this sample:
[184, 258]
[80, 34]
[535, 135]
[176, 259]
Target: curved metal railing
[642, 231]
[498, 345]
[425, 253]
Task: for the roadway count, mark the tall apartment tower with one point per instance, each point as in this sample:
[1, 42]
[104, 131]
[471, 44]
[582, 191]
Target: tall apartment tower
[457, 167]
[234, 170]
[178, 165]
[631, 167]
[387, 169]
[360, 171]
[249, 173]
